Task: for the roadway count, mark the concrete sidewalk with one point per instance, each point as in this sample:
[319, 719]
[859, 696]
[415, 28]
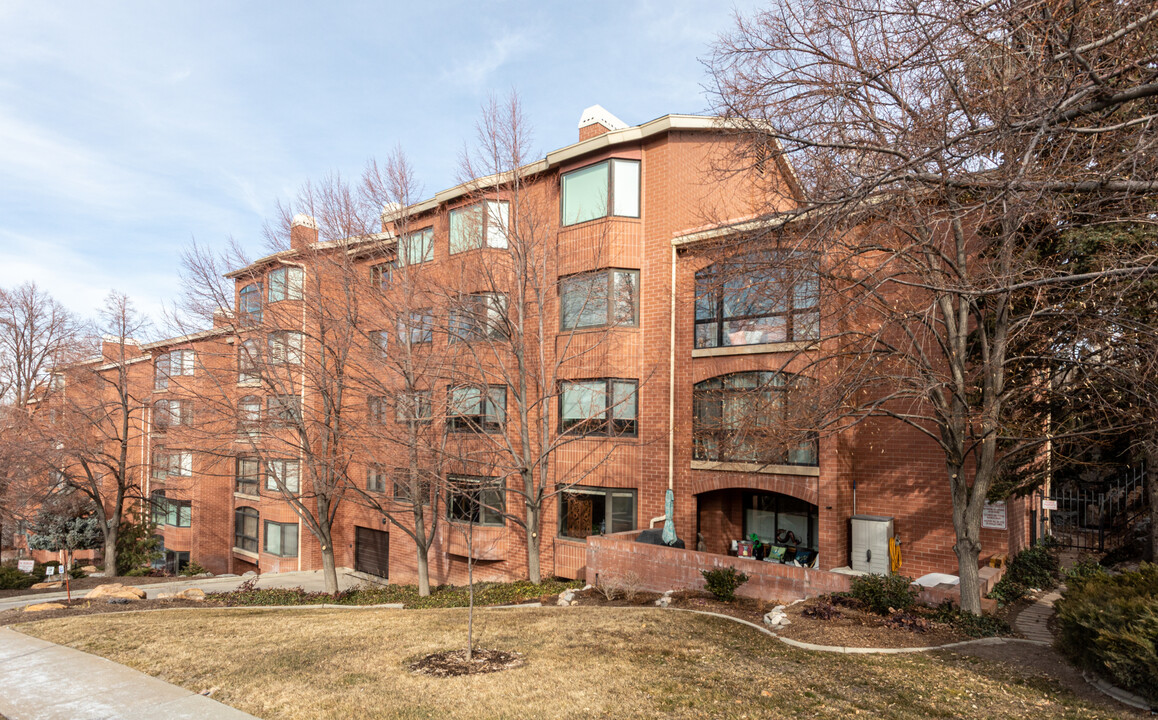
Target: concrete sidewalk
[311, 580]
[43, 681]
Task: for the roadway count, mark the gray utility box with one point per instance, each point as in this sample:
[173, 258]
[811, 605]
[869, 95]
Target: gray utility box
[870, 543]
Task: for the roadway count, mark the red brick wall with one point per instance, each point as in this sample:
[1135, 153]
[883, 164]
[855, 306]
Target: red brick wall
[661, 568]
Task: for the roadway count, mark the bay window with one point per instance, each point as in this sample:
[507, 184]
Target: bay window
[245, 525]
[477, 500]
[604, 406]
[585, 511]
[599, 299]
[752, 417]
[483, 224]
[757, 298]
[607, 188]
[285, 284]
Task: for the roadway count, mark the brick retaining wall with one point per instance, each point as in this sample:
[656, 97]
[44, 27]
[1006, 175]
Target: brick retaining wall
[662, 568]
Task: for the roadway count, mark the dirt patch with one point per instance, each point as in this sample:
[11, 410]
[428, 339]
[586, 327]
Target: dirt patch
[821, 621]
[88, 583]
[452, 663]
[81, 606]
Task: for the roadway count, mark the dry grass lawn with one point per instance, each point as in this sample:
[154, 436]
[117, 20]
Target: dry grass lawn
[580, 663]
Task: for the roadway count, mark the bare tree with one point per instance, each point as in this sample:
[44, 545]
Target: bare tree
[36, 335]
[295, 332]
[99, 419]
[513, 364]
[401, 367]
[938, 147]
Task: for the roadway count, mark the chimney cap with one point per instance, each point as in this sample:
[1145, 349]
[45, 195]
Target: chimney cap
[597, 114]
[301, 219]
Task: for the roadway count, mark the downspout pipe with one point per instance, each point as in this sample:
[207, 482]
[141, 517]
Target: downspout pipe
[670, 388]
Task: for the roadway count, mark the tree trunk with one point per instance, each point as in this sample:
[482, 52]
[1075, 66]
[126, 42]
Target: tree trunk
[470, 590]
[534, 573]
[111, 550]
[329, 569]
[967, 508]
[423, 571]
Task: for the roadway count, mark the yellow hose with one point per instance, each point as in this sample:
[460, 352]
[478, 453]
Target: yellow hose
[895, 561]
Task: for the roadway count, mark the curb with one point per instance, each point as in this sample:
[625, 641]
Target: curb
[1123, 696]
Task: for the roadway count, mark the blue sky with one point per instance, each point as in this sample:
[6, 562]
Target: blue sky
[129, 128]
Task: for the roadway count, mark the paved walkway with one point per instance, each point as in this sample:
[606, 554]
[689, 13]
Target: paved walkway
[1032, 621]
[311, 580]
[43, 681]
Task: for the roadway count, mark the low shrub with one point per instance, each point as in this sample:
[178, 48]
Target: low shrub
[975, 626]
[1035, 567]
[884, 594]
[1083, 570]
[13, 579]
[722, 582]
[193, 568]
[1109, 624]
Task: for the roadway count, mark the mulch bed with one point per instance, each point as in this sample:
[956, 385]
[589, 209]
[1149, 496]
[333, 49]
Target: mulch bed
[81, 606]
[452, 663]
[822, 622]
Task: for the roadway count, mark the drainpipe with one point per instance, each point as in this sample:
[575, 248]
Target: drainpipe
[670, 387]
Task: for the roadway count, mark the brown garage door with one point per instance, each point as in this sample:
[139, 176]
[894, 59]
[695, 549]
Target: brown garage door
[371, 551]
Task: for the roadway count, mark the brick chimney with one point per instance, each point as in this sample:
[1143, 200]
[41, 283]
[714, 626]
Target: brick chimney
[596, 121]
[303, 232]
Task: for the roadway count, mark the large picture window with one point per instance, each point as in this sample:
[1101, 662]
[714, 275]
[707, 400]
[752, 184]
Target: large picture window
[249, 304]
[175, 513]
[245, 526]
[744, 417]
[281, 539]
[585, 511]
[417, 327]
[171, 364]
[283, 410]
[599, 299]
[285, 284]
[412, 406]
[756, 299]
[478, 409]
[417, 247]
[479, 316]
[171, 463]
[607, 188]
[248, 356]
[285, 347]
[248, 469]
[285, 473]
[477, 500]
[483, 224]
[605, 406]
[168, 413]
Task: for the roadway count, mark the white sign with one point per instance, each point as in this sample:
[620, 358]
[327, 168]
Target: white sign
[993, 516]
[1049, 504]
[25, 565]
[50, 571]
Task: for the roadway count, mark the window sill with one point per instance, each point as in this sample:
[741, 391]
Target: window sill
[604, 218]
[246, 496]
[249, 383]
[246, 554]
[795, 346]
[804, 470]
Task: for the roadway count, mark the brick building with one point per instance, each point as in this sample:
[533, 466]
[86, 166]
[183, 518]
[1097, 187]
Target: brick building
[648, 362]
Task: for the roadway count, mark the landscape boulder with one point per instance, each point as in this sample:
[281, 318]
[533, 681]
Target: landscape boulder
[48, 585]
[194, 594]
[43, 606]
[116, 590]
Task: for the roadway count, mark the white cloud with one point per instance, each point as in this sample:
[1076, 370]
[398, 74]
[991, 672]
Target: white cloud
[476, 72]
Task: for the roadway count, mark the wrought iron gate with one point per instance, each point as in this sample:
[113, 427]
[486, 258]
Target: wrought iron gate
[1095, 518]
